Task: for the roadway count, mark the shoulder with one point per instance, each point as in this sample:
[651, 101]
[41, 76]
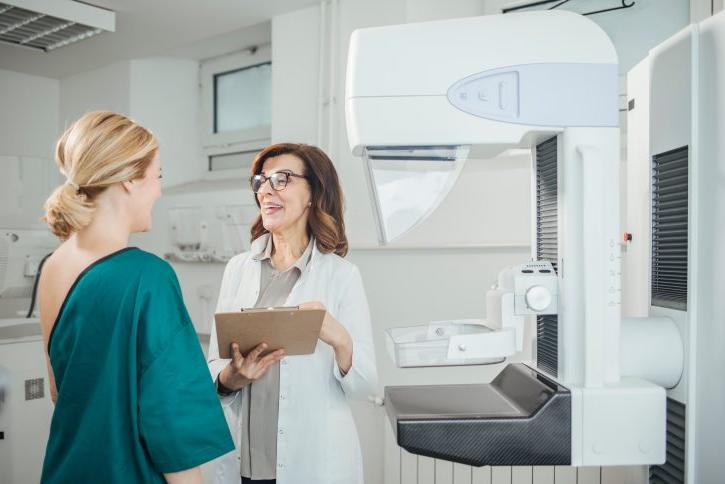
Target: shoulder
[148, 261]
[338, 269]
[149, 266]
[237, 262]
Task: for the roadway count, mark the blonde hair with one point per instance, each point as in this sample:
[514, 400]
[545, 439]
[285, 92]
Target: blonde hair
[99, 150]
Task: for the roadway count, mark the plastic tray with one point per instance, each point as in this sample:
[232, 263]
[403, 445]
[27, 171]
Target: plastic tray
[430, 344]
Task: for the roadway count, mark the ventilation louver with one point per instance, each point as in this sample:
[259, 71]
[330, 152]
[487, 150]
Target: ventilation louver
[673, 470]
[669, 229]
[52, 24]
[547, 233]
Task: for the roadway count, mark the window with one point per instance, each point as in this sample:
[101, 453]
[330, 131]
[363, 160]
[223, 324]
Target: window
[237, 110]
[243, 98]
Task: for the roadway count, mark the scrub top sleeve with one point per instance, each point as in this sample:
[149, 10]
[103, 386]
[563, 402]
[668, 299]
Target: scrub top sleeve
[180, 420]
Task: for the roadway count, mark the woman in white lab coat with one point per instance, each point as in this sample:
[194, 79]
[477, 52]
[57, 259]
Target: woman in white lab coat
[289, 416]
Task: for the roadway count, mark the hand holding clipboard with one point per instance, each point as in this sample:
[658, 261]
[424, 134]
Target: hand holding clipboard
[293, 329]
[255, 339]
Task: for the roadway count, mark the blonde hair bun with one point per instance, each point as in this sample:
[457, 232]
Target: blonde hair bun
[101, 149]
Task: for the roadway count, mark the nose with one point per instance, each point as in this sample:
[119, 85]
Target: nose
[264, 188]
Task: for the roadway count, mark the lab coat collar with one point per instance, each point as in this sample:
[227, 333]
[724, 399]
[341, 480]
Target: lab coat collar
[301, 263]
[260, 244]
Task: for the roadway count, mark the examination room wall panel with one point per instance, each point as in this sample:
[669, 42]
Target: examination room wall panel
[105, 88]
[28, 114]
[161, 93]
[164, 95]
[29, 109]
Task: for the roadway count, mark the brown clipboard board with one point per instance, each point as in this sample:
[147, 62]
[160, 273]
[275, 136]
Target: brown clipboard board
[295, 330]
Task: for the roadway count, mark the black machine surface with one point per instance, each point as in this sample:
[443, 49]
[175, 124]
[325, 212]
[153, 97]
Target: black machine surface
[520, 418]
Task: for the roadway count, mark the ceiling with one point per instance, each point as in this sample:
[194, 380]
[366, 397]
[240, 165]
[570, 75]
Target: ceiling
[183, 28]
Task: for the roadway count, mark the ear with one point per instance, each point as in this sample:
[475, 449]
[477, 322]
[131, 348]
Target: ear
[127, 186]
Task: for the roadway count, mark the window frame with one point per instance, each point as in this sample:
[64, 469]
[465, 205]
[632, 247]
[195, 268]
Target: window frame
[230, 141]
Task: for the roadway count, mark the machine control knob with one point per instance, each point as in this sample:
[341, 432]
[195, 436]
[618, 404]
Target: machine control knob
[538, 298]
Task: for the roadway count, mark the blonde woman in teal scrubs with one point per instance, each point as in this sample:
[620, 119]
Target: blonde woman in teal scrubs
[134, 399]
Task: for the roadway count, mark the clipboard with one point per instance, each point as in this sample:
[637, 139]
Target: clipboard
[296, 330]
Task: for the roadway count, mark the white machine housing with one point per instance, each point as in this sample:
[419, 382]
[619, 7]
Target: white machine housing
[675, 119]
[420, 97]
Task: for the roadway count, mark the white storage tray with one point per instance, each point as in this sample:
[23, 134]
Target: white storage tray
[448, 343]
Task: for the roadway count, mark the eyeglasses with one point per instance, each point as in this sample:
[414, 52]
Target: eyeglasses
[278, 180]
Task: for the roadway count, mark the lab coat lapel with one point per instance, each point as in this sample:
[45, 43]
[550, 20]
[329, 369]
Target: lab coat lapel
[249, 285]
[300, 292]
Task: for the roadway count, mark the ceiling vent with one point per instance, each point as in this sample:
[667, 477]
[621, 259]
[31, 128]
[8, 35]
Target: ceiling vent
[49, 24]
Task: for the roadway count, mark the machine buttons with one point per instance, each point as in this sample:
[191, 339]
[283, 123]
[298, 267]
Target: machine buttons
[493, 95]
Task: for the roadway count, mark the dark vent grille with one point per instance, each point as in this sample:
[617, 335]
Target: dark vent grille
[547, 232]
[673, 470]
[669, 229]
[547, 343]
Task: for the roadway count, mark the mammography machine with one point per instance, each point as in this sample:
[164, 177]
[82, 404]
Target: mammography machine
[420, 99]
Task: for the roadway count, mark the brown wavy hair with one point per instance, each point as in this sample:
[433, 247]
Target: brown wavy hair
[325, 222]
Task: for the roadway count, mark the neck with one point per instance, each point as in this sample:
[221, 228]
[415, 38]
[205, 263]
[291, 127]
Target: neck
[288, 247]
[108, 231]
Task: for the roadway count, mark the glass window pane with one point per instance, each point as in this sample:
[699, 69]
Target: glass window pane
[243, 98]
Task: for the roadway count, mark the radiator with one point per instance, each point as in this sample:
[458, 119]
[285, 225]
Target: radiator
[402, 467]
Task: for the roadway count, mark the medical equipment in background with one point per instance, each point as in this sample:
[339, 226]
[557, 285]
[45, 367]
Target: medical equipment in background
[21, 253]
[422, 97]
[209, 233]
[25, 405]
[675, 213]
[529, 288]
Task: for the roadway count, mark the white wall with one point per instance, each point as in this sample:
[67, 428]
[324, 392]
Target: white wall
[164, 97]
[29, 109]
[634, 30]
[28, 114]
[160, 93]
[106, 88]
[295, 76]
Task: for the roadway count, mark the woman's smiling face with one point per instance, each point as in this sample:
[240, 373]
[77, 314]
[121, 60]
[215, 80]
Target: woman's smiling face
[287, 209]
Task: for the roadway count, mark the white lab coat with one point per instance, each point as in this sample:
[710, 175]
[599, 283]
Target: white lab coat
[317, 442]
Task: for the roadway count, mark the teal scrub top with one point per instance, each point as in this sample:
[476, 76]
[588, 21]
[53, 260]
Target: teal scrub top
[135, 397]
